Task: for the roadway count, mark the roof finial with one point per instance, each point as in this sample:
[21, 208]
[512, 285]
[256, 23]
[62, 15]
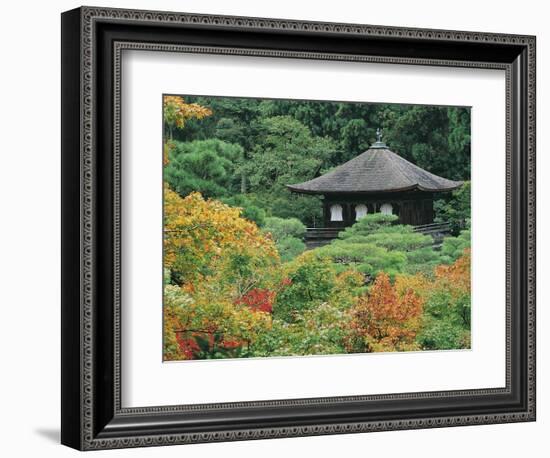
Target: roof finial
[379, 143]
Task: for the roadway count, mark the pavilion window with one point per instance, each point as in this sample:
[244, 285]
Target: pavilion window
[360, 211]
[336, 211]
[386, 209]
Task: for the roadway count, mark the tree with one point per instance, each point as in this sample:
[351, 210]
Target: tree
[455, 209]
[250, 210]
[221, 266]
[385, 320]
[205, 166]
[282, 228]
[310, 282]
[201, 236]
[284, 204]
[306, 321]
[434, 138]
[453, 247]
[448, 307]
[176, 113]
[285, 153]
[211, 327]
[356, 138]
[289, 248]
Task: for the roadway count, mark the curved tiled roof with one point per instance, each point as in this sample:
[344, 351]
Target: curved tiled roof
[376, 170]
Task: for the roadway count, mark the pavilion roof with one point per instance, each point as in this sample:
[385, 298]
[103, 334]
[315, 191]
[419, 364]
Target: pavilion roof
[376, 170]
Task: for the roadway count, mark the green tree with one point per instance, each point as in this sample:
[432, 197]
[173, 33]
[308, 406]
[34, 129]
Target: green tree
[310, 280]
[205, 166]
[434, 138]
[250, 210]
[447, 309]
[285, 153]
[356, 137]
[453, 247]
[455, 209]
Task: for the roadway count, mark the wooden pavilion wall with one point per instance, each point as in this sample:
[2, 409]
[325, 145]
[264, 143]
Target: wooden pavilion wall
[413, 208]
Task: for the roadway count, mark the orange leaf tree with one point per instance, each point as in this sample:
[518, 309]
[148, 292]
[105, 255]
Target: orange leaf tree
[385, 319]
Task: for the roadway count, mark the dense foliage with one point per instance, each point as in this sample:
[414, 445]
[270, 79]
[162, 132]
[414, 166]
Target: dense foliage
[455, 209]
[287, 234]
[238, 279]
[228, 292]
[282, 142]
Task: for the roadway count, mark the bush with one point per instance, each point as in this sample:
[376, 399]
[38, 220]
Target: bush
[289, 248]
[384, 319]
[282, 228]
[369, 224]
[316, 331]
[284, 204]
[310, 281]
[375, 243]
[287, 233]
[453, 247]
[366, 258]
[249, 210]
[438, 334]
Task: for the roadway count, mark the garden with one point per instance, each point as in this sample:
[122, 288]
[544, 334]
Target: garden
[239, 280]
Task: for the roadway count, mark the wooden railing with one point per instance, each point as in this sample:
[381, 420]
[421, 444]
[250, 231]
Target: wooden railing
[319, 236]
[433, 228]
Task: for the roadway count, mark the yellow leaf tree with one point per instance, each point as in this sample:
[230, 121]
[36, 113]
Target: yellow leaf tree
[176, 112]
[220, 263]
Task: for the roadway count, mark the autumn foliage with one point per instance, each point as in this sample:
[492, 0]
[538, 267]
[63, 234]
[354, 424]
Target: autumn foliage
[177, 112]
[384, 319]
[258, 299]
[202, 234]
[223, 266]
[228, 294]
[456, 277]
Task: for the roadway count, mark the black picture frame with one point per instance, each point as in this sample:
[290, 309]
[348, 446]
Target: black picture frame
[92, 40]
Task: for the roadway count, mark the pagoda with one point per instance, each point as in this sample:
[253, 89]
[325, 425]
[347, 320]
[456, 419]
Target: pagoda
[377, 180]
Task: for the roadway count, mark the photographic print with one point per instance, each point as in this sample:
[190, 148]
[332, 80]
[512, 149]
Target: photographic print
[299, 227]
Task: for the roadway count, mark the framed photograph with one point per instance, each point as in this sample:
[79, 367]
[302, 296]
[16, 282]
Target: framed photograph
[276, 228]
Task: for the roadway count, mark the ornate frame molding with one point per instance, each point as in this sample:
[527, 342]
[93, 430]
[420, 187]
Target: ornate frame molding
[88, 435]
